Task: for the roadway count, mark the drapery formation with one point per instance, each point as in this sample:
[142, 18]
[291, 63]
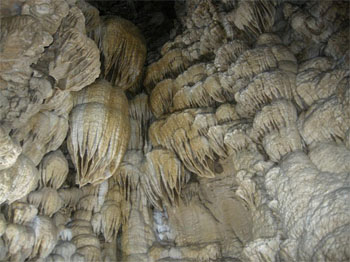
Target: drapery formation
[226, 139]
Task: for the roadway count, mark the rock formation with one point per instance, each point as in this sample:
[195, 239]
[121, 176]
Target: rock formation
[194, 130]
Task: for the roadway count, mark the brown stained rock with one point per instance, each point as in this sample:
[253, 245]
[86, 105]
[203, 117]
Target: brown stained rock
[91, 14]
[123, 51]
[164, 177]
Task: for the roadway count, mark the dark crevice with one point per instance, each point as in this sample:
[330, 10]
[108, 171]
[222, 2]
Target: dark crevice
[155, 19]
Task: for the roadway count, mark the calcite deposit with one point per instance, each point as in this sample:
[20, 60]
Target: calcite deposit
[163, 131]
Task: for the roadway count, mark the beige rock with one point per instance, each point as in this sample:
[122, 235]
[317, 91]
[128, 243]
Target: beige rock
[99, 133]
[80, 227]
[53, 170]
[161, 97]
[171, 63]
[10, 7]
[15, 51]
[111, 220]
[55, 258]
[140, 117]
[330, 157]
[206, 93]
[184, 133]
[61, 102]
[314, 82]
[91, 14]
[321, 194]
[279, 143]
[123, 50]
[261, 249]
[226, 113]
[86, 240]
[255, 18]
[62, 217]
[18, 180]
[9, 150]
[49, 12]
[169, 95]
[20, 240]
[236, 150]
[47, 200]
[83, 215]
[65, 250]
[22, 213]
[337, 46]
[77, 257]
[22, 42]
[228, 54]
[276, 125]
[198, 253]
[43, 133]
[2, 224]
[90, 253]
[70, 196]
[268, 39]
[137, 232]
[189, 233]
[76, 61]
[163, 178]
[192, 75]
[213, 36]
[88, 202]
[3, 249]
[264, 88]
[126, 179]
[109, 252]
[324, 121]
[46, 237]
[280, 113]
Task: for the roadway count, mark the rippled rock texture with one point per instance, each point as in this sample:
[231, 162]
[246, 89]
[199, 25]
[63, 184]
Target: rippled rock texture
[195, 130]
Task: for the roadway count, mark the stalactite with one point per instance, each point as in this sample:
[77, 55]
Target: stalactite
[198, 130]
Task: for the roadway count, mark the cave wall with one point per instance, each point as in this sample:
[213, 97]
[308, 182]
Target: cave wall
[195, 130]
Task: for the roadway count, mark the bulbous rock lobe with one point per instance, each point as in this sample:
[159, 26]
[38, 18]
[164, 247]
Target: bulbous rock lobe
[53, 170]
[123, 52]
[99, 132]
[9, 150]
[18, 180]
[76, 63]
